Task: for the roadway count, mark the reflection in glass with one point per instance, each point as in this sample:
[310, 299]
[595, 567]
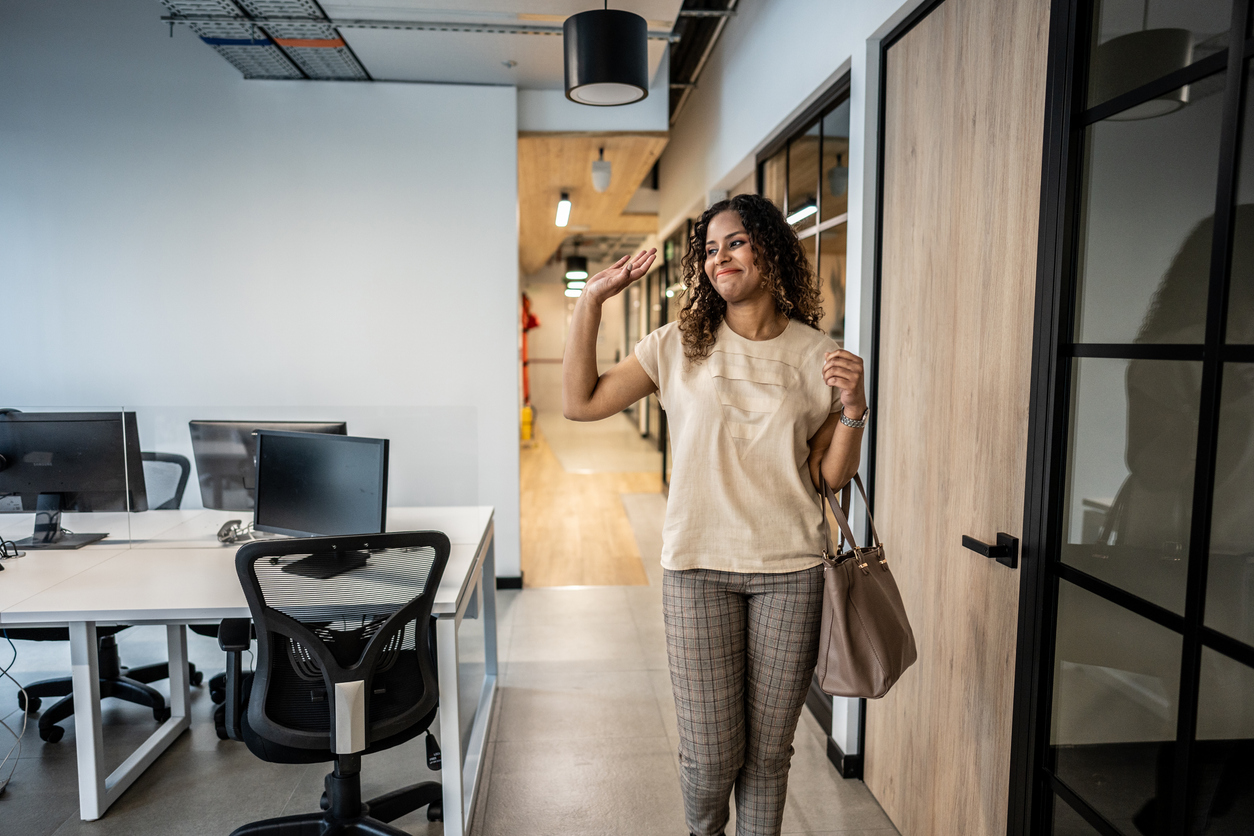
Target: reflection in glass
[1116, 684]
[1149, 193]
[803, 179]
[1067, 822]
[1221, 788]
[774, 178]
[832, 281]
[1130, 474]
[1241, 288]
[835, 175]
[1138, 41]
[1230, 576]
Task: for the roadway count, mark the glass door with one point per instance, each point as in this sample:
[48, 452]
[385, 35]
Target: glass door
[1146, 679]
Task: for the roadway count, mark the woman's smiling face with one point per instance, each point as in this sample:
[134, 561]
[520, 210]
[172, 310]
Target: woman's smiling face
[729, 260]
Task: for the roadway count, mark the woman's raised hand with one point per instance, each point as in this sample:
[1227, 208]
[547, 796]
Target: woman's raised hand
[611, 281]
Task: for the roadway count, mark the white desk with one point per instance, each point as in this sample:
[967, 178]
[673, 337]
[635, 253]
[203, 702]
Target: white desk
[172, 576]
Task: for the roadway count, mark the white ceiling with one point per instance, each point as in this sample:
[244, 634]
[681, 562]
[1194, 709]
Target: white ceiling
[479, 57]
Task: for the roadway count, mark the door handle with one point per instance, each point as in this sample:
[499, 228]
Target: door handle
[1005, 551]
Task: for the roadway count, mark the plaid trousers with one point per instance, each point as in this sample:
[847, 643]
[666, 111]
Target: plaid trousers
[742, 650]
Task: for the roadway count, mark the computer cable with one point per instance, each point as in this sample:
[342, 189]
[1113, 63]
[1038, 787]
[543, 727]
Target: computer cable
[9, 550]
[17, 741]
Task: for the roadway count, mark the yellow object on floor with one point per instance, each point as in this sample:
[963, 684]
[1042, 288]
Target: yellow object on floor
[526, 422]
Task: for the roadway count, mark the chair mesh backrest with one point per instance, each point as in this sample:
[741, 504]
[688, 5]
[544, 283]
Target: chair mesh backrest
[344, 597]
[161, 479]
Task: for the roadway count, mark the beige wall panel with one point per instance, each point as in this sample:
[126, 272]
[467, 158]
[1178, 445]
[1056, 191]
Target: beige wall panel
[964, 127]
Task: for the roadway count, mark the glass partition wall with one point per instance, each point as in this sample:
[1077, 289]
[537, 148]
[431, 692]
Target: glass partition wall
[806, 174]
[1148, 719]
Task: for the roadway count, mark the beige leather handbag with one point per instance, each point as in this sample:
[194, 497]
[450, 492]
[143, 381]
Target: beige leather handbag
[865, 643]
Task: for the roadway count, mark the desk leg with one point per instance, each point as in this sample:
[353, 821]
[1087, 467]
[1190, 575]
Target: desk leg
[180, 684]
[450, 726]
[487, 588]
[96, 791]
[89, 738]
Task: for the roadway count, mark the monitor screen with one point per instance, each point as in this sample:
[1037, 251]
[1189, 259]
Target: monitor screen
[310, 483]
[69, 461]
[226, 457]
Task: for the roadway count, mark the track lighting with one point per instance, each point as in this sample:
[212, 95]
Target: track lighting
[563, 210]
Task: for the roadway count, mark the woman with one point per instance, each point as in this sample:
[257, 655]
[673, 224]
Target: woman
[754, 394]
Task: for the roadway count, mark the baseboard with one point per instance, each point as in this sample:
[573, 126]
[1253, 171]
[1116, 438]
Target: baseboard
[848, 766]
[509, 581]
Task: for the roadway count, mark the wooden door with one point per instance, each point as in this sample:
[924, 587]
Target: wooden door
[964, 126]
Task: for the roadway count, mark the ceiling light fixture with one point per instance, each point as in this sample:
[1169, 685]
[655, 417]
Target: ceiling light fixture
[804, 212]
[607, 57]
[1125, 63]
[601, 170]
[576, 267]
[563, 210]
[573, 292]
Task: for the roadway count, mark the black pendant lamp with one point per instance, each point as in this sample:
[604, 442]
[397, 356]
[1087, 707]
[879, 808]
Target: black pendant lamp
[607, 57]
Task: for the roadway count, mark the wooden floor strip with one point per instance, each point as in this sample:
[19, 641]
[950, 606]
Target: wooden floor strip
[574, 529]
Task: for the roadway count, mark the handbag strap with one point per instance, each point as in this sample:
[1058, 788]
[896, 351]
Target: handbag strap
[840, 510]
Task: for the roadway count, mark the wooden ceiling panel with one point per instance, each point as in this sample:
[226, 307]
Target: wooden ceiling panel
[552, 163]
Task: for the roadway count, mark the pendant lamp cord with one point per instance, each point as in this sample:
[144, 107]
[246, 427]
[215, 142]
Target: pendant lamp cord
[1144, 16]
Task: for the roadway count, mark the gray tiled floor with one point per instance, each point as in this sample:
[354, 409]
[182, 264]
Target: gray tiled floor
[583, 742]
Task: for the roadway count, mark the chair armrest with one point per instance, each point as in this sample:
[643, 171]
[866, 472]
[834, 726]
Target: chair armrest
[235, 634]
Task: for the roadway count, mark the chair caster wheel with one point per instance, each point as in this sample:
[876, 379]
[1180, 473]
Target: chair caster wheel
[52, 734]
[324, 803]
[435, 811]
[28, 704]
[221, 730]
[197, 678]
[161, 714]
[217, 695]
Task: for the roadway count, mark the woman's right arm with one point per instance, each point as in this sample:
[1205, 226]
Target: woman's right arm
[586, 395]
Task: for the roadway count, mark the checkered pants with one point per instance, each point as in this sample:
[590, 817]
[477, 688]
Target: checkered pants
[742, 650]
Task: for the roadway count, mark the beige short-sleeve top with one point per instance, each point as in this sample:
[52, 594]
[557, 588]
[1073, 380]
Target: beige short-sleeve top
[741, 499]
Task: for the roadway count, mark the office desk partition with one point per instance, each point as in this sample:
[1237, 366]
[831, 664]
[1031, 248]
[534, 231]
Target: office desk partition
[178, 575]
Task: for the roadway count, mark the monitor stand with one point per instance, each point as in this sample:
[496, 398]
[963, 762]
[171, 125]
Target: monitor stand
[48, 531]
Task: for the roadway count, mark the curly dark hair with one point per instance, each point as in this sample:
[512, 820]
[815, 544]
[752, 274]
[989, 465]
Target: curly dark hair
[780, 258]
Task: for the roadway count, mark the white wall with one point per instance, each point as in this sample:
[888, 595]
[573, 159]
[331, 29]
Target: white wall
[172, 235]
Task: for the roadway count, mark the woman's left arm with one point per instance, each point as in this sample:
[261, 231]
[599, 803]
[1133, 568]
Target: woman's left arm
[836, 449]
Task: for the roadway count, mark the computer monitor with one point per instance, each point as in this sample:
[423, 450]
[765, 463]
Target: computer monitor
[226, 457]
[312, 484]
[69, 461]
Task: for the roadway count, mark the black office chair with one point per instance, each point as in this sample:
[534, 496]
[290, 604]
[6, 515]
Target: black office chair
[116, 680]
[165, 477]
[344, 667]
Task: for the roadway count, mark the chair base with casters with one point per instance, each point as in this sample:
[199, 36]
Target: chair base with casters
[343, 810]
[115, 681]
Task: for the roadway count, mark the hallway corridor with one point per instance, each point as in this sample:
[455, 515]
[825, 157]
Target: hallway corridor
[585, 740]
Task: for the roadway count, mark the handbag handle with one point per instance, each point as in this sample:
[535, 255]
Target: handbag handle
[840, 510]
